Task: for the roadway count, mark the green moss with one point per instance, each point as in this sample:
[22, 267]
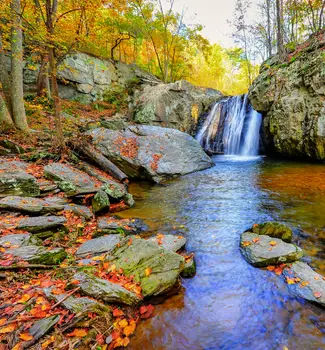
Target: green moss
[145, 115]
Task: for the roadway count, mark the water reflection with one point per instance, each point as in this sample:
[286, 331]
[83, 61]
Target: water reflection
[229, 304]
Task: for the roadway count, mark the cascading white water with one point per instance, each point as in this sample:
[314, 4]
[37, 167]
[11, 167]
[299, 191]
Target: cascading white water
[232, 127]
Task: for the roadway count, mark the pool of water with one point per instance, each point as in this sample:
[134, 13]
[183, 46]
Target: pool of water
[230, 304]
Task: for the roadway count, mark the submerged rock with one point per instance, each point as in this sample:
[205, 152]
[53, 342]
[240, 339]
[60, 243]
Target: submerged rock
[261, 250]
[189, 270]
[31, 205]
[115, 225]
[70, 180]
[41, 223]
[105, 290]
[98, 245]
[18, 183]
[155, 268]
[273, 229]
[169, 242]
[310, 286]
[150, 152]
[39, 255]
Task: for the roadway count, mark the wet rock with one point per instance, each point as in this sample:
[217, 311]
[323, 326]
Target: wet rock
[141, 256]
[41, 223]
[76, 305]
[98, 245]
[114, 189]
[31, 205]
[129, 201]
[116, 225]
[189, 270]
[100, 201]
[17, 240]
[261, 250]
[311, 285]
[170, 242]
[105, 290]
[273, 229]
[70, 180]
[39, 255]
[18, 183]
[150, 152]
[43, 326]
[79, 210]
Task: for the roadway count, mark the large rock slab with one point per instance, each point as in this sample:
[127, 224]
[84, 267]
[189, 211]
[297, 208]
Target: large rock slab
[12, 165]
[290, 94]
[99, 245]
[116, 225]
[70, 180]
[18, 183]
[43, 326]
[31, 205]
[169, 242]
[261, 250]
[41, 223]
[17, 240]
[105, 290]
[155, 268]
[150, 152]
[39, 255]
[310, 286]
[79, 210]
[273, 229]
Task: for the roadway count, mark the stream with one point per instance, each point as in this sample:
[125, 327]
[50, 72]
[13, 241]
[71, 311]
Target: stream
[229, 304]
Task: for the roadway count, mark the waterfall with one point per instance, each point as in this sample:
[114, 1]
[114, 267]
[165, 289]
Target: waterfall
[232, 127]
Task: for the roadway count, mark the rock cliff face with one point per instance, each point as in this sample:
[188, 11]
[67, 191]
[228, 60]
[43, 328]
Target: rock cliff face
[291, 96]
[87, 79]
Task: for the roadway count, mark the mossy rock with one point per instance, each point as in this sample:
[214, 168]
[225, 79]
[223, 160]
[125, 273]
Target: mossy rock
[100, 201]
[189, 269]
[273, 229]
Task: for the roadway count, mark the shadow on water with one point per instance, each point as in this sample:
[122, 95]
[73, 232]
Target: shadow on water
[230, 304]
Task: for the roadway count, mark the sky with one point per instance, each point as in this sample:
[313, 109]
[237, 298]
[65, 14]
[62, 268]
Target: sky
[213, 15]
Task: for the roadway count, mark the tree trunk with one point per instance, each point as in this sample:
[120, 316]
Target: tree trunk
[279, 16]
[43, 84]
[5, 118]
[4, 78]
[17, 90]
[269, 38]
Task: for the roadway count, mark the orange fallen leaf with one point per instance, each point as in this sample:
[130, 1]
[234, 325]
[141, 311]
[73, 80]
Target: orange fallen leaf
[8, 329]
[48, 342]
[270, 268]
[124, 323]
[117, 312]
[17, 347]
[317, 295]
[2, 321]
[273, 243]
[256, 240]
[78, 332]
[290, 280]
[246, 243]
[127, 331]
[304, 284]
[26, 336]
[148, 271]
[24, 299]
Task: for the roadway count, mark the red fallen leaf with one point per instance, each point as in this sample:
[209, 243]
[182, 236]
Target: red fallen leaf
[118, 313]
[6, 262]
[46, 284]
[100, 339]
[146, 311]
[317, 295]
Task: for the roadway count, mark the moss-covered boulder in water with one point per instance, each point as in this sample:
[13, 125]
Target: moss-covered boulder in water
[169, 242]
[39, 255]
[261, 250]
[114, 190]
[155, 268]
[273, 229]
[105, 290]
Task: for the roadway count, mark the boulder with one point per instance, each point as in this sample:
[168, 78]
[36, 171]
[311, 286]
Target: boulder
[273, 229]
[70, 180]
[261, 250]
[189, 270]
[12, 165]
[31, 205]
[98, 246]
[116, 225]
[41, 223]
[18, 183]
[100, 202]
[305, 283]
[155, 268]
[151, 152]
[177, 105]
[105, 290]
[114, 189]
[43, 326]
[38, 255]
[290, 94]
[79, 210]
[17, 240]
[169, 242]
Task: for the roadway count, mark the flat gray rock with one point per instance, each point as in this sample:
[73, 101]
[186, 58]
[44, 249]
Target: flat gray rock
[31, 205]
[261, 250]
[105, 290]
[155, 268]
[18, 183]
[12, 165]
[70, 180]
[38, 255]
[17, 240]
[79, 210]
[310, 286]
[43, 326]
[41, 223]
[115, 225]
[98, 245]
[151, 152]
[169, 242]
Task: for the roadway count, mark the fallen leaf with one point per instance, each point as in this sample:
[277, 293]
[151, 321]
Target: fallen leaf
[24, 298]
[246, 243]
[273, 243]
[290, 280]
[117, 312]
[270, 268]
[25, 336]
[317, 295]
[256, 240]
[8, 329]
[78, 332]
[2, 321]
[304, 284]
[148, 271]
[123, 323]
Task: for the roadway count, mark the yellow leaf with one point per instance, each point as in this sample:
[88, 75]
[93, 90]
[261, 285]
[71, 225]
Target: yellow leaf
[290, 280]
[273, 243]
[8, 329]
[48, 342]
[246, 243]
[17, 347]
[2, 321]
[99, 258]
[40, 300]
[148, 271]
[25, 336]
[24, 298]
[123, 323]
